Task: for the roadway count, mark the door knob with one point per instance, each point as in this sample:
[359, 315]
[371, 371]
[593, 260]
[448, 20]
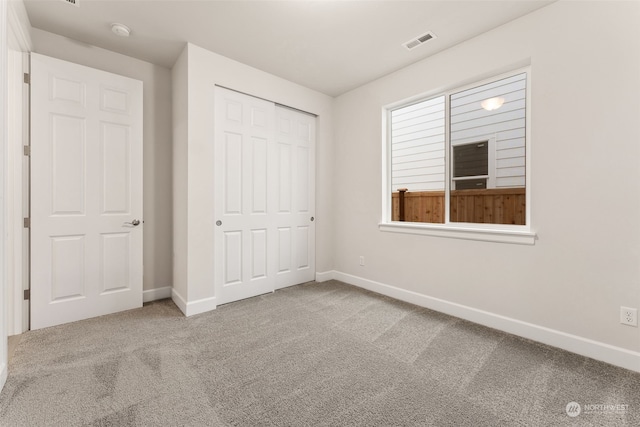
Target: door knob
[135, 222]
[312, 219]
[218, 223]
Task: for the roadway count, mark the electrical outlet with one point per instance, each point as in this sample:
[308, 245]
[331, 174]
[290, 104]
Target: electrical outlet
[361, 260]
[629, 316]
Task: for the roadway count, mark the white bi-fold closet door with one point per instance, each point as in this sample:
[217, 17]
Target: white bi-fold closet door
[264, 196]
[86, 192]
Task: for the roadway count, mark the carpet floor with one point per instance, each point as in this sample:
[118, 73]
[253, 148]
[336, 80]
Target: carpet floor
[318, 354]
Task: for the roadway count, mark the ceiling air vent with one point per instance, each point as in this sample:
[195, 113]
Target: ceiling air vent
[75, 3]
[412, 44]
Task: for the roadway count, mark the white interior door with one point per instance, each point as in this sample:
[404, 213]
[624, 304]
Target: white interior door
[86, 192]
[244, 212]
[295, 195]
[264, 186]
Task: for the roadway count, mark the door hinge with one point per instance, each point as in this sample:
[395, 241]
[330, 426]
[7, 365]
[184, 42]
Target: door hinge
[27, 294]
[27, 78]
[27, 222]
[26, 150]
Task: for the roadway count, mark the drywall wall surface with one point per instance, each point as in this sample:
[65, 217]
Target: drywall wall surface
[156, 143]
[180, 123]
[585, 175]
[19, 27]
[207, 69]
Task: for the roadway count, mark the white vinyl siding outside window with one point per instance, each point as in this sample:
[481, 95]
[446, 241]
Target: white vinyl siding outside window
[507, 125]
[418, 146]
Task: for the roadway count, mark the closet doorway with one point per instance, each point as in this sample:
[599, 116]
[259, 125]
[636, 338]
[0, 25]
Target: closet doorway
[264, 196]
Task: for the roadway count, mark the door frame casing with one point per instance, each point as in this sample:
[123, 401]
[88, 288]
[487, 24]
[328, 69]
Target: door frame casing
[17, 190]
[3, 175]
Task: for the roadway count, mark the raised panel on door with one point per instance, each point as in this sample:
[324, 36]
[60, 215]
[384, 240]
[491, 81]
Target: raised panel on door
[116, 166]
[114, 262]
[67, 164]
[86, 192]
[284, 249]
[284, 185]
[257, 170]
[259, 256]
[302, 247]
[232, 258]
[64, 90]
[114, 100]
[68, 268]
[260, 116]
[232, 188]
[301, 181]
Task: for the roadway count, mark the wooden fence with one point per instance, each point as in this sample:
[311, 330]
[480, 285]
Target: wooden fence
[493, 206]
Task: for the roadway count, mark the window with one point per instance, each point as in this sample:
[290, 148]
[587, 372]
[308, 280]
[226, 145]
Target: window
[460, 157]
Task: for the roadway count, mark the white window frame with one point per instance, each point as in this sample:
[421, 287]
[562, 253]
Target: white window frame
[502, 233]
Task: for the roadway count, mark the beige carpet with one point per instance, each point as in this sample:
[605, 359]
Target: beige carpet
[324, 354]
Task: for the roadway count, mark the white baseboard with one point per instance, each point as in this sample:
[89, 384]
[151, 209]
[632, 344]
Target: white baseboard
[179, 301]
[194, 307]
[324, 276]
[4, 372]
[586, 347]
[156, 294]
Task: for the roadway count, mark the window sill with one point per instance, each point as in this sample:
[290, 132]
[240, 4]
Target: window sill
[463, 231]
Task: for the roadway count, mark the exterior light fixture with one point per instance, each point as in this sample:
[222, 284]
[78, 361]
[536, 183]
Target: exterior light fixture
[492, 103]
[120, 30]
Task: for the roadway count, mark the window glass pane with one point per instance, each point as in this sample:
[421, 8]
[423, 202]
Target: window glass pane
[418, 161]
[487, 134]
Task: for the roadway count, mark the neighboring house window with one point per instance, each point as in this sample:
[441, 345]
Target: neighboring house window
[460, 157]
[470, 166]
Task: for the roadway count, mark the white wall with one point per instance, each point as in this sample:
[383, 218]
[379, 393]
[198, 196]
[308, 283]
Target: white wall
[205, 70]
[157, 146]
[585, 189]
